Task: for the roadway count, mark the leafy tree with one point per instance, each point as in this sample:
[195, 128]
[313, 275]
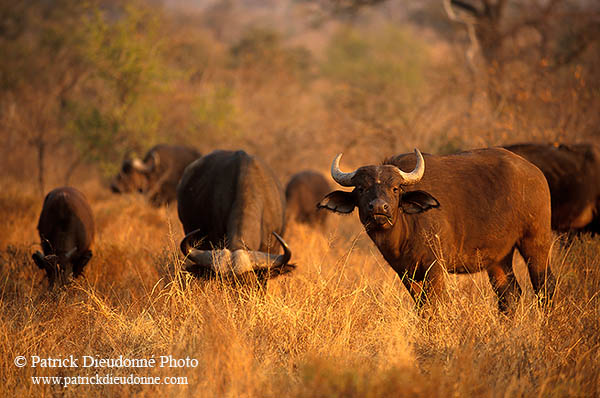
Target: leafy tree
[78, 75]
[116, 112]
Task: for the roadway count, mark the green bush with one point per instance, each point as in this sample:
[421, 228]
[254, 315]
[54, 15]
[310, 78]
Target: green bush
[389, 60]
[378, 77]
[214, 113]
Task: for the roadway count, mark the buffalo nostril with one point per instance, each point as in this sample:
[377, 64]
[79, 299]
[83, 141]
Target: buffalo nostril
[379, 206]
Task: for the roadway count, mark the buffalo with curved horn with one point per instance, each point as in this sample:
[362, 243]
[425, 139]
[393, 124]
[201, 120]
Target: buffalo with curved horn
[231, 203]
[345, 179]
[157, 175]
[464, 213]
[238, 262]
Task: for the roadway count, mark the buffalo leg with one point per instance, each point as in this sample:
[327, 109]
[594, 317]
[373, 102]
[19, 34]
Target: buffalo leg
[434, 283]
[415, 288]
[429, 288]
[537, 257]
[504, 283]
[81, 262]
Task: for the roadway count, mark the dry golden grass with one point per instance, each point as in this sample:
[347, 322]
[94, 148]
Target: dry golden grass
[341, 325]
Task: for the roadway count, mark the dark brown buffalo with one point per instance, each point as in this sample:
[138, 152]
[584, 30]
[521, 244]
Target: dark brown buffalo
[157, 175]
[573, 175]
[66, 229]
[302, 193]
[462, 213]
[232, 205]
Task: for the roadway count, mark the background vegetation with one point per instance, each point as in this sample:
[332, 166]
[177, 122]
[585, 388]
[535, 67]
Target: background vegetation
[83, 83]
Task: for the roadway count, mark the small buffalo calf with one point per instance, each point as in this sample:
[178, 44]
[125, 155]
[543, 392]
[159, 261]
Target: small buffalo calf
[66, 229]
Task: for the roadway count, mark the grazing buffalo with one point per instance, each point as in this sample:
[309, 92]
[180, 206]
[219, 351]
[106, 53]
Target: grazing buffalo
[66, 229]
[464, 213]
[157, 175]
[302, 193]
[573, 175]
[230, 205]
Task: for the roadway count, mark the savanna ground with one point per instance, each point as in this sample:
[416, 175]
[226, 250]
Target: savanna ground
[82, 84]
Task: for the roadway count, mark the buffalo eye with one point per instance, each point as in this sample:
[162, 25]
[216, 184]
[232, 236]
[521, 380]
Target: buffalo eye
[360, 190]
[396, 189]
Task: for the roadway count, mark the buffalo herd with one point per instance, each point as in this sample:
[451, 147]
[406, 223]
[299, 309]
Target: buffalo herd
[428, 215]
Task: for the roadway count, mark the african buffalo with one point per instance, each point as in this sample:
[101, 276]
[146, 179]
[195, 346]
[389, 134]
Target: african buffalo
[66, 229]
[231, 203]
[157, 175]
[302, 193]
[573, 175]
[464, 213]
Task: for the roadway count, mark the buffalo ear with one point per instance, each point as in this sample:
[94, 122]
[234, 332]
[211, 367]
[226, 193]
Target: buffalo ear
[40, 261]
[338, 202]
[414, 202]
[127, 166]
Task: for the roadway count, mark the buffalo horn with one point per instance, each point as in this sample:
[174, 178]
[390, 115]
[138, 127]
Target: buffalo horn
[185, 244]
[140, 166]
[155, 160]
[414, 176]
[257, 260]
[264, 260]
[344, 179]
